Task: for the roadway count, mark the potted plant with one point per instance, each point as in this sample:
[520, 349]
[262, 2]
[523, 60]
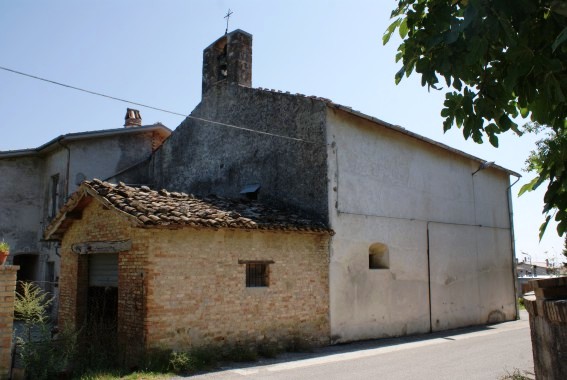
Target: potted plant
[4, 251]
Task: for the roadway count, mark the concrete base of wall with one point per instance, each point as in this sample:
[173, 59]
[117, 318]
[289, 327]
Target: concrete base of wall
[547, 307]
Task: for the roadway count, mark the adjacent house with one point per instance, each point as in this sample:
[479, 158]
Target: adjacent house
[38, 181]
[422, 233]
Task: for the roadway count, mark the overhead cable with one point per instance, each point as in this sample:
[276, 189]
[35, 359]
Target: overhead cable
[154, 108]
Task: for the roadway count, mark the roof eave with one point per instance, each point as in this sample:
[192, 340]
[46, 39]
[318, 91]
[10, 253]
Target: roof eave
[69, 137]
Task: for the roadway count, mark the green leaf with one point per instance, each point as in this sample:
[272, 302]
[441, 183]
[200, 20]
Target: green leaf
[562, 37]
[400, 75]
[528, 186]
[543, 227]
[457, 84]
[524, 112]
[562, 227]
[403, 29]
[390, 30]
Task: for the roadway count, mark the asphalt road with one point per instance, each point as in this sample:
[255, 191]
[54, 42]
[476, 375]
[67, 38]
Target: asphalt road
[488, 352]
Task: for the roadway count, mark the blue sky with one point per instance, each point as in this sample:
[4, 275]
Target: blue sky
[151, 53]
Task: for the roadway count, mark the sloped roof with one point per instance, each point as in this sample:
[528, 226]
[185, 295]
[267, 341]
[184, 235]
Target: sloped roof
[153, 209]
[69, 137]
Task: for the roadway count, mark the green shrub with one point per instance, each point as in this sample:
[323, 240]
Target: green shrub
[181, 362]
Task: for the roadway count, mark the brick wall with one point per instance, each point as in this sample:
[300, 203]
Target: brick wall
[7, 297]
[131, 290]
[184, 288]
[197, 293]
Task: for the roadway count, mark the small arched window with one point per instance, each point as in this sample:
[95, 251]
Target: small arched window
[378, 256]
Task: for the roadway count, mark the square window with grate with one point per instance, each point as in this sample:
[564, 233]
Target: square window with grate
[257, 273]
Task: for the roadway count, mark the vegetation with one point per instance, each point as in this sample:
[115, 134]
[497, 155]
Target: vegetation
[4, 247]
[517, 375]
[131, 376]
[91, 353]
[42, 357]
[499, 59]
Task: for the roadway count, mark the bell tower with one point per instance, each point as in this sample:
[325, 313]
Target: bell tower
[229, 60]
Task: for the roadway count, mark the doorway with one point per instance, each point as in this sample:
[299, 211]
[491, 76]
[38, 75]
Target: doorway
[102, 296]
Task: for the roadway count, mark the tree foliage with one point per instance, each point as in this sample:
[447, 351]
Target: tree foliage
[498, 59]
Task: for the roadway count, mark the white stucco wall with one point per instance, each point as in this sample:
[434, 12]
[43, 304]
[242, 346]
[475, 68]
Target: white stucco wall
[438, 221]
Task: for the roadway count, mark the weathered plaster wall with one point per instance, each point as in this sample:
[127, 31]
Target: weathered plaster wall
[471, 276]
[424, 204]
[197, 292]
[203, 158]
[104, 157]
[20, 200]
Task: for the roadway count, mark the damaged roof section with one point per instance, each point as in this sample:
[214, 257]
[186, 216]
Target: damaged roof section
[151, 209]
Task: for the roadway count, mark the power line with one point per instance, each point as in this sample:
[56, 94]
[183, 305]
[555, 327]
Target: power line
[154, 108]
[90, 92]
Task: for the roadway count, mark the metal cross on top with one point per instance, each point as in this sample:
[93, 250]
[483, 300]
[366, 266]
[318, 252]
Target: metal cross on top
[227, 18]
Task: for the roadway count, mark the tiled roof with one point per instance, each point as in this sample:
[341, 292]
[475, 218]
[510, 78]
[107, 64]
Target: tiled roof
[151, 208]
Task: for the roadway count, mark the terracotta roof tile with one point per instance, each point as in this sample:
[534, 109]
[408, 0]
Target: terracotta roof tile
[163, 208]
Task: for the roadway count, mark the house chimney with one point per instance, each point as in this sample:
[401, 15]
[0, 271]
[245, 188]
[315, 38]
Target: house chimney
[132, 118]
[228, 60]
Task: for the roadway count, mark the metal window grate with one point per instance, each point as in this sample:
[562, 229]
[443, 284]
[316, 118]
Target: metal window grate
[256, 275]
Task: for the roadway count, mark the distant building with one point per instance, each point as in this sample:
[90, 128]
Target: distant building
[36, 183]
[527, 271]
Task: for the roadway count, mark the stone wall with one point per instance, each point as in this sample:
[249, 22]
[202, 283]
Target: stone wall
[548, 325]
[7, 297]
[222, 157]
